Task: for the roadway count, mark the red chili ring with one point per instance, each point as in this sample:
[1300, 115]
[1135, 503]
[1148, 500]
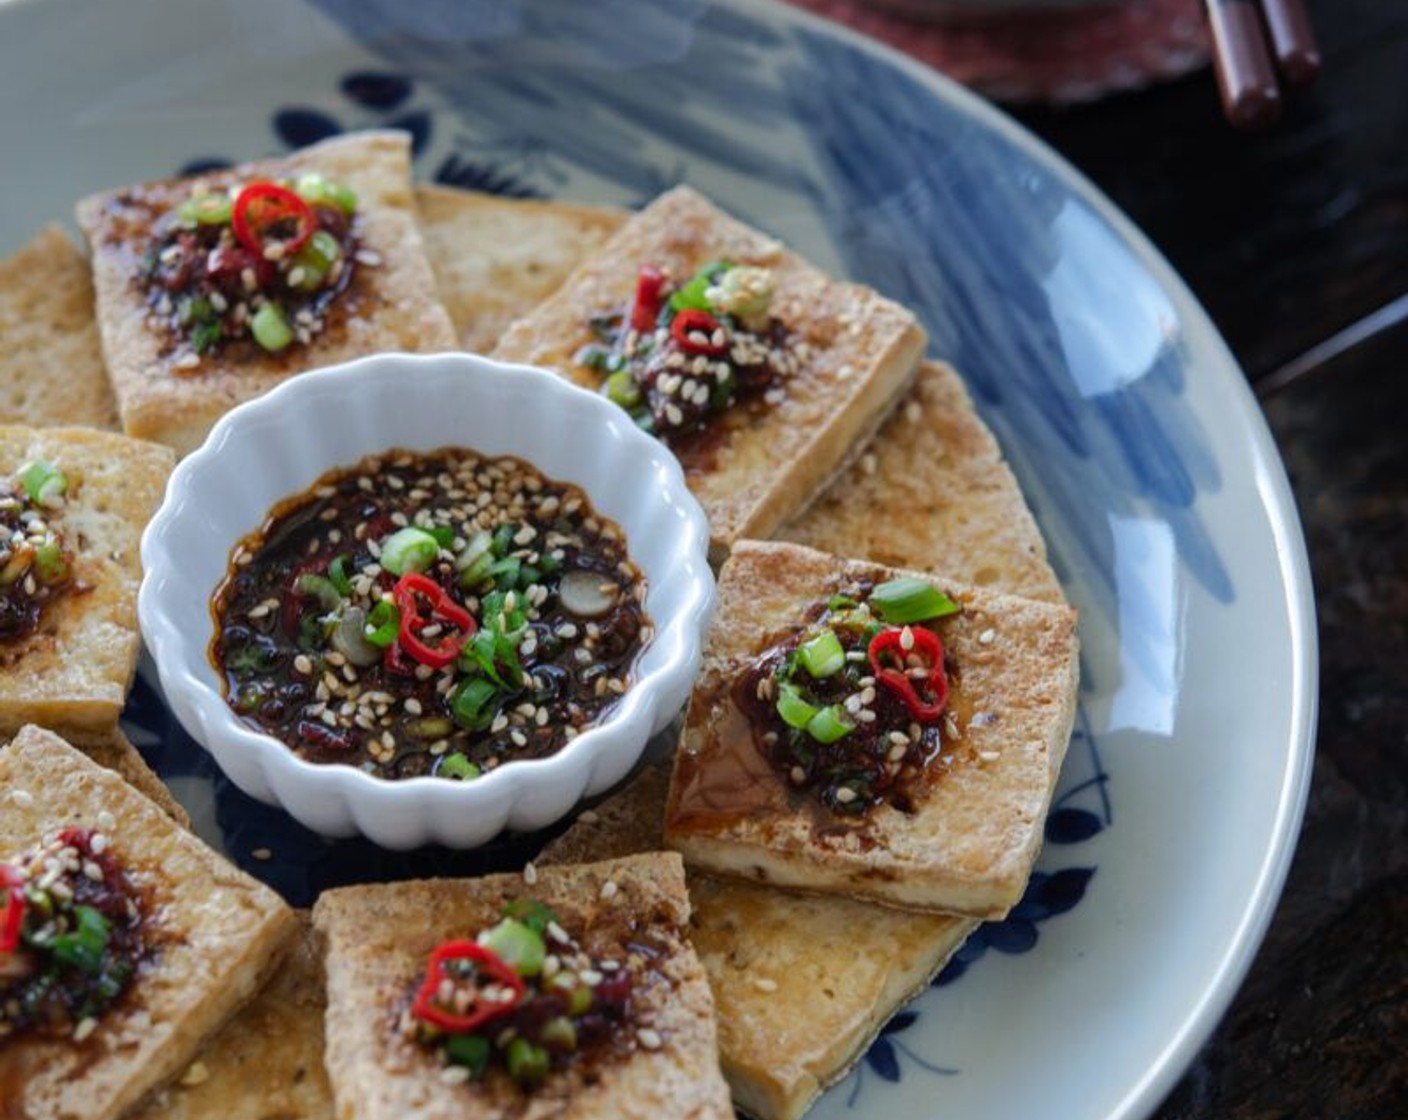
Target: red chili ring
[263, 205]
[692, 320]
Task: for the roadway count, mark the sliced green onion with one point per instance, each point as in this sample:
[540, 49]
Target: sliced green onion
[478, 570]
[468, 1050]
[270, 328]
[337, 572]
[472, 704]
[83, 948]
[316, 260]
[348, 637]
[526, 1062]
[503, 537]
[206, 210]
[205, 335]
[481, 544]
[505, 572]
[823, 655]
[343, 197]
[383, 624]
[457, 767]
[320, 588]
[829, 724]
[516, 945]
[795, 711]
[905, 600]
[318, 191]
[691, 293]
[43, 482]
[195, 309]
[841, 603]
[444, 535]
[622, 389]
[559, 1034]
[536, 915]
[49, 560]
[409, 550]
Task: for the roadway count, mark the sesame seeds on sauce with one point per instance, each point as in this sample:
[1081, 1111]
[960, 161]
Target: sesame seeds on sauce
[538, 993]
[436, 614]
[230, 274]
[73, 935]
[831, 725]
[683, 354]
[36, 560]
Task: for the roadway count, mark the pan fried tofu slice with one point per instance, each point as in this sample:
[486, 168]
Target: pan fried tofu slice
[932, 492]
[840, 355]
[959, 828]
[629, 916]
[51, 366]
[495, 259]
[802, 984]
[267, 1063]
[71, 670]
[212, 936]
[171, 383]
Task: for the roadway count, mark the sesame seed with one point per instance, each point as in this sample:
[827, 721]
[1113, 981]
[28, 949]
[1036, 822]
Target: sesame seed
[85, 1027]
[988, 636]
[589, 816]
[989, 756]
[609, 889]
[906, 639]
[22, 797]
[262, 854]
[106, 821]
[648, 1038]
[845, 795]
[196, 1074]
[764, 984]
[530, 874]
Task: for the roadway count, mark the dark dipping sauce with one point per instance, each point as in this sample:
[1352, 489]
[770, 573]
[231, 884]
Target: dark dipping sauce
[536, 669]
[205, 287]
[36, 563]
[69, 973]
[888, 754]
[692, 365]
[582, 1010]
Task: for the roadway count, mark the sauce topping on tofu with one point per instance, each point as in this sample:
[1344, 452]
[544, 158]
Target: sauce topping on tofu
[257, 265]
[435, 614]
[72, 935]
[850, 709]
[527, 998]
[36, 562]
[681, 355]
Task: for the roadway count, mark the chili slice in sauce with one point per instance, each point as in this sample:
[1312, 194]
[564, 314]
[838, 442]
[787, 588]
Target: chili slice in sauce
[903, 643]
[504, 983]
[12, 895]
[410, 590]
[691, 322]
[263, 209]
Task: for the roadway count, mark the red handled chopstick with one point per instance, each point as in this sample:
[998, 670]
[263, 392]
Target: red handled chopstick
[1246, 36]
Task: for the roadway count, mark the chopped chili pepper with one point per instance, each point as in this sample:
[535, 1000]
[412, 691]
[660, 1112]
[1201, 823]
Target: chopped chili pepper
[504, 984]
[926, 644]
[650, 287]
[263, 210]
[410, 590]
[692, 320]
[12, 895]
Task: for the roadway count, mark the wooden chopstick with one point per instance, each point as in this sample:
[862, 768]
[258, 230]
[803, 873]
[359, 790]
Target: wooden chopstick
[1293, 40]
[1245, 77]
[1245, 35]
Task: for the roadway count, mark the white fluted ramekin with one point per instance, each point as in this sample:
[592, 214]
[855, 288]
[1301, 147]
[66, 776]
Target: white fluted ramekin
[275, 447]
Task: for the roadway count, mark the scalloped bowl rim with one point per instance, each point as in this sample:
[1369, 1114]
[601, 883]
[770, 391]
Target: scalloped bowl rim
[201, 708]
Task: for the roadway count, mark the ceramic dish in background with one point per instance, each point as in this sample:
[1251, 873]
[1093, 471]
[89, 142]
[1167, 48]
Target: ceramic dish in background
[1124, 416]
[273, 448]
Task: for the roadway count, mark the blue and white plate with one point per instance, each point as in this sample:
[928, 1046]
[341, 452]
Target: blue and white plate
[1123, 414]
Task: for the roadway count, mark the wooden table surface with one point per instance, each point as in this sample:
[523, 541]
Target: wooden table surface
[1296, 241]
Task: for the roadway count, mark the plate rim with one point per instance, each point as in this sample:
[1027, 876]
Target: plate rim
[1196, 1020]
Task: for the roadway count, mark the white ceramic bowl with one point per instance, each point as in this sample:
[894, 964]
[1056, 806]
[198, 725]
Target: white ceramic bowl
[275, 447]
